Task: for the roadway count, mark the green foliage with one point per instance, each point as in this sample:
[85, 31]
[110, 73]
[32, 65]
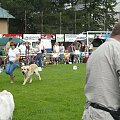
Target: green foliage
[93, 15]
[58, 96]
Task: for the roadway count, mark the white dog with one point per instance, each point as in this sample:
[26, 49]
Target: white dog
[6, 105]
[28, 71]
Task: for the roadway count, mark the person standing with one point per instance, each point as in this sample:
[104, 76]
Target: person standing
[22, 49]
[71, 50]
[27, 52]
[56, 53]
[38, 58]
[90, 48]
[13, 60]
[62, 50]
[77, 47]
[102, 89]
[8, 45]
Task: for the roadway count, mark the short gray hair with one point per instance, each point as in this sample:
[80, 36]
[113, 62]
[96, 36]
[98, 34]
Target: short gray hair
[116, 30]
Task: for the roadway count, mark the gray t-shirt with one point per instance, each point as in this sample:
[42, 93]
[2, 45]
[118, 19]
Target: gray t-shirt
[102, 77]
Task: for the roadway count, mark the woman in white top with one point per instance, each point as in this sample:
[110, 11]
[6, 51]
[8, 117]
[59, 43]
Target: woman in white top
[13, 59]
[56, 50]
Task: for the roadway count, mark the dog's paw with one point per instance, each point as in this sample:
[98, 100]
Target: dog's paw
[30, 81]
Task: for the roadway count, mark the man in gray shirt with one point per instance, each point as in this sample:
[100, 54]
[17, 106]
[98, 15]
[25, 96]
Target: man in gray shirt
[102, 89]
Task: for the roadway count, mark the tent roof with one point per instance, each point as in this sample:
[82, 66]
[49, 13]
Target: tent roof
[5, 14]
[4, 40]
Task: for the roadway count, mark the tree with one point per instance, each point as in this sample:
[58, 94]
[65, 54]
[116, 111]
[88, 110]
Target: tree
[50, 16]
[99, 14]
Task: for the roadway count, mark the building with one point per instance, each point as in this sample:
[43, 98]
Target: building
[4, 21]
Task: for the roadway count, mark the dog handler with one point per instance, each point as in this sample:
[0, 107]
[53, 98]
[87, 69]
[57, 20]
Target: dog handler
[102, 87]
[13, 58]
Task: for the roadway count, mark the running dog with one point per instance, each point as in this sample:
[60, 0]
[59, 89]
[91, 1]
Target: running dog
[28, 71]
[7, 105]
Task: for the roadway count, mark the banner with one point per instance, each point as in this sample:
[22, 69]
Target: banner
[102, 36]
[28, 37]
[12, 35]
[48, 36]
[59, 37]
[70, 37]
[81, 37]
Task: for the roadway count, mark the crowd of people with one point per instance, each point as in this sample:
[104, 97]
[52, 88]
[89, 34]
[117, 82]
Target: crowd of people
[20, 55]
[77, 52]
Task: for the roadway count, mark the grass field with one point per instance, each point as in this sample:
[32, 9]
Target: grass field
[58, 96]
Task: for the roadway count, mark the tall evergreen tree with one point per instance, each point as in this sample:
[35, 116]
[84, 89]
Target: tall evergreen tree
[50, 16]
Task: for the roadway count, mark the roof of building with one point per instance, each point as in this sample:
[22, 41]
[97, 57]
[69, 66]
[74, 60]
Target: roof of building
[5, 14]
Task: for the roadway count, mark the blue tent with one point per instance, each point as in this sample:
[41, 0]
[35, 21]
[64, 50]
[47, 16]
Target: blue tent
[4, 40]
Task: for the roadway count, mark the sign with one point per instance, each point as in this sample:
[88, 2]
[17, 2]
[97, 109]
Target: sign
[59, 37]
[48, 36]
[81, 37]
[102, 36]
[70, 37]
[28, 37]
[12, 35]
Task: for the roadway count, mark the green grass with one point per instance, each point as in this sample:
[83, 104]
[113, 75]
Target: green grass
[58, 96]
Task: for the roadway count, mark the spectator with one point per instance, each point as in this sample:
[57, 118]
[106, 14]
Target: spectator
[77, 47]
[22, 49]
[51, 58]
[56, 52]
[71, 50]
[56, 48]
[8, 45]
[27, 44]
[66, 57]
[38, 58]
[62, 50]
[90, 48]
[102, 87]
[13, 59]
[83, 47]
